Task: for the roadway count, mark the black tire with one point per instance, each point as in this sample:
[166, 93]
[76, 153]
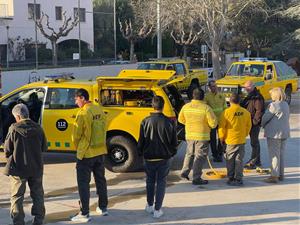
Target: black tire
[288, 94]
[122, 155]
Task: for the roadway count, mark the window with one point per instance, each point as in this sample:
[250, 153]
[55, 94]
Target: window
[32, 98]
[256, 70]
[24, 96]
[127, 98]
[283, 70]
[3, 10]
[180, 70]
[31, 11]
[81, 14]
[61, 98]
[58, 12]
[151, 66]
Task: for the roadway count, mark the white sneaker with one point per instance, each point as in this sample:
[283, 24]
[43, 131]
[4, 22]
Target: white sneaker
[158, 213]
[101, 212]
[149, 208]
[81, 218]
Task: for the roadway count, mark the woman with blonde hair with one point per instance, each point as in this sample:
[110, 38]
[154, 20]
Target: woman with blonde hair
[275, 122]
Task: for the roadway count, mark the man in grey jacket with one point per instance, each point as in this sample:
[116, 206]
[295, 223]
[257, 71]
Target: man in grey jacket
[23, 149]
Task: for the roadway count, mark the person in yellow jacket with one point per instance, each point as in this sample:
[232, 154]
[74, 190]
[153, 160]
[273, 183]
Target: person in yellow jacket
[89, 138]
[234, 127]
[198, 119]
[218, 104]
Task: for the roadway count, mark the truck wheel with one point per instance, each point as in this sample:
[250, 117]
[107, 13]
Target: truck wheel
[122, 155]
[288, 94]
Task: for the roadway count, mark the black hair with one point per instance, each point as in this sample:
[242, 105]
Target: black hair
[198, 94]
[235, 98]
[211, 82]
[82, 93]
[158, 102]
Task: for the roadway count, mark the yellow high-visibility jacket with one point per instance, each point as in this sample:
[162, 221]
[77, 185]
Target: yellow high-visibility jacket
[235, 125]
[89, 134]
[198, 119]
[217, 102]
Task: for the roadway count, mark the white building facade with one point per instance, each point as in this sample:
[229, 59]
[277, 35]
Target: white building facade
[22, 25]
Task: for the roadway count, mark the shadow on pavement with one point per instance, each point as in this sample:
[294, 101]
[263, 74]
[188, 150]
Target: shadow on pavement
[221, 211]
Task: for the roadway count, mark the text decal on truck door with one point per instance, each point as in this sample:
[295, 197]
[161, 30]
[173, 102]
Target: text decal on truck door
[61, 124]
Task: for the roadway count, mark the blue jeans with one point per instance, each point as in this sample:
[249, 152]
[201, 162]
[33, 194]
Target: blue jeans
[157, 172]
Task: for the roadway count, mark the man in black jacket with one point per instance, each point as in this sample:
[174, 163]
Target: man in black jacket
[254, 103]
[157, 143]
[23, 149]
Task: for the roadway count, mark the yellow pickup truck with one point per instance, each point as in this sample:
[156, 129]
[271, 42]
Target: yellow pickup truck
[265, 74]
[125, 99]
[191, 77]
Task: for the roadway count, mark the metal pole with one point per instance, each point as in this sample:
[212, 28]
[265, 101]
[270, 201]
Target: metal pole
[79, 35]
[207, 57]
[115, 30]
[36, 44]
[159, 38]
[7, 48]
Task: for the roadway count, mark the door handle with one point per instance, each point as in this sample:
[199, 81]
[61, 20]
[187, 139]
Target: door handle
[73, 116]
[105, 112]
[129, 113]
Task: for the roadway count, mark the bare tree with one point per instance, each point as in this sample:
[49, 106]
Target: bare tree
[184, 28]
[259, 43]
[134, 32]
[214, 16]
[293, 11]
[139, 27]
[185, 37]
[67, 25]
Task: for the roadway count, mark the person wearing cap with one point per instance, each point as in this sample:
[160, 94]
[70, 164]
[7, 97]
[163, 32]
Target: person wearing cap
[198, 119]
[218, 104]
[234, 127]
[23, 149]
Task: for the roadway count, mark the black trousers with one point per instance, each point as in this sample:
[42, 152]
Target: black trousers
[84, 169]
[215, 144]
[255, 155]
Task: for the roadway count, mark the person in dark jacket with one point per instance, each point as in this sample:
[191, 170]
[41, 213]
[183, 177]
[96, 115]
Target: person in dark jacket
[157, 143]
[254, 103]
[23, 149]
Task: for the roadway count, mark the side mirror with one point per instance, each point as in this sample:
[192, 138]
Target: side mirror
[268, 76]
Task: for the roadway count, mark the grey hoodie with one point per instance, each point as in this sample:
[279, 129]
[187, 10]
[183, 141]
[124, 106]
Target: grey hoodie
[23, 149]
[275, 121]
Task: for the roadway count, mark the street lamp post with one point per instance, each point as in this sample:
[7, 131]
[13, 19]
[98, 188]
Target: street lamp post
[7, 47]
[115, 30]
[79, 34]
[159, 41]
[36, 44]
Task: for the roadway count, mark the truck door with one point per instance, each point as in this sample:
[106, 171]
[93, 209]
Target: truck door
[270, 79]
[181, 71]
[33, 98]
[58, 118]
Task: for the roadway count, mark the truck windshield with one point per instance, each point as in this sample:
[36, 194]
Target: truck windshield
[151, 66]
[255, 70]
